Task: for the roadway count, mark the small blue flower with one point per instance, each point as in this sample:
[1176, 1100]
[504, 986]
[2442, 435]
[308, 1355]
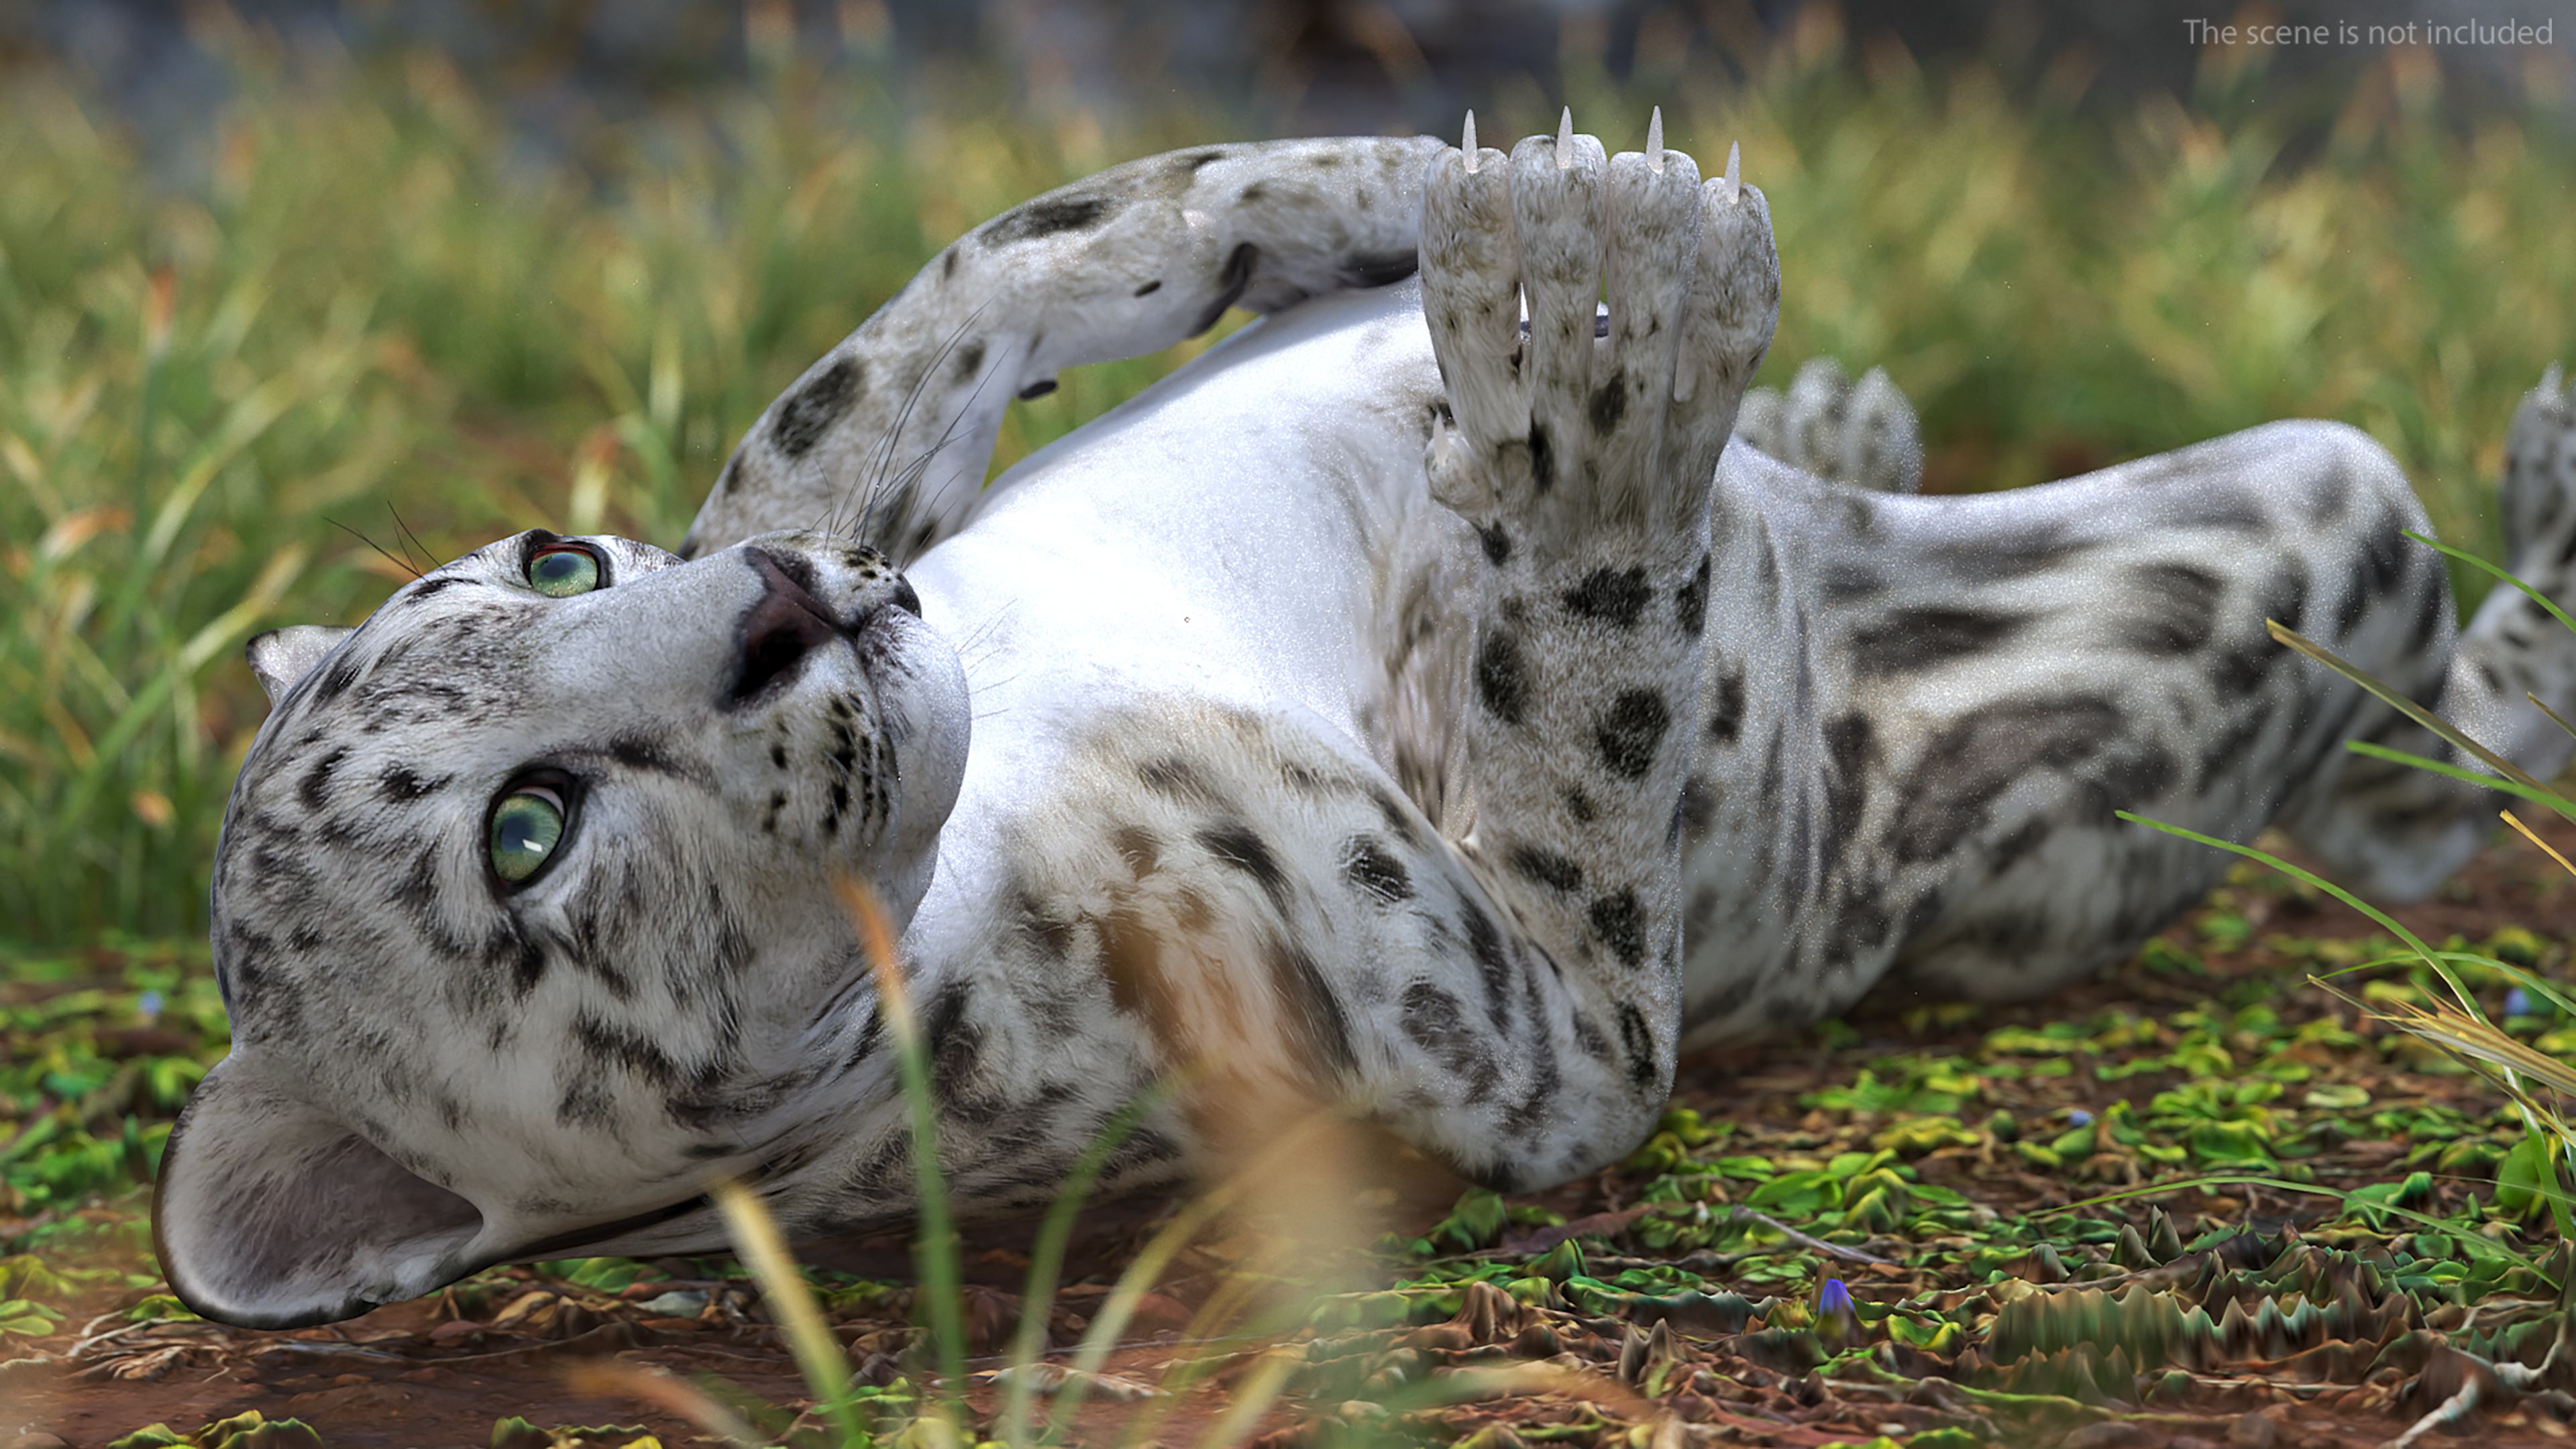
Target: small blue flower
[1837, 1323]
[148, 1005]
[2078, 1117]
[2517, 1002]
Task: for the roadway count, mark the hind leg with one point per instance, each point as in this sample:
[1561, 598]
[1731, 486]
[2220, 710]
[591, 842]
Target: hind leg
[1995, 676]
[2393, 832]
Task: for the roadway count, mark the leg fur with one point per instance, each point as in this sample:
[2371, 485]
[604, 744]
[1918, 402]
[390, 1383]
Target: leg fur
[888, 436]
[2394, 832]
[1993, 676]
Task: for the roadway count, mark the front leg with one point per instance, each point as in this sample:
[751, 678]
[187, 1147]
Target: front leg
[887, 437]
[1584, 454]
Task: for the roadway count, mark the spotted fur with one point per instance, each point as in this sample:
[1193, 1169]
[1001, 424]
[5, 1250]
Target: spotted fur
[1405, 710]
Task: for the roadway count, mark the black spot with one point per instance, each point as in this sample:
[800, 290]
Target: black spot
[1150, 288]
[1235, 844]
[1502, 680]
[2177, 607]
[427, 588]
[336, 679]
[314, 789]
[1037, 389]
[1368, 866]
[1046, 216]
[1904, 640]
[1580, 806]
[1436, 1022]
[1317, 1013]
[1139, 848]
[731, 477]
[1380, 270]
[1498, 544]
[1238, 275]
[400, 785]
[2035, 549]
[2285, 597]
[1616, 596]
[1851, 743]
[968, 361]
[1177, 779]
[2026, 837]
[1630, 730]
[2135, 780]
[1609, 402]
[956, 1053]
[1399, 820]
[1588, 1038]
[1727, 720]
[2237, 673]
[2432, 611]
[607, 1045]
[1638, 1041]
[1542, 459]
[1690, 601]
[2225, 755]
[1493, 962]
[1538, 863]
[1620, 922]
[645, 753]
[1972, 762]
[811, 410]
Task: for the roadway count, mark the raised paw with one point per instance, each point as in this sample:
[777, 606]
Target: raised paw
[1572, 421]
[2538, 492]
[1862, 434]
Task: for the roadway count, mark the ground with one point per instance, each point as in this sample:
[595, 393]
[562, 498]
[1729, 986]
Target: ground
[1946, 1168]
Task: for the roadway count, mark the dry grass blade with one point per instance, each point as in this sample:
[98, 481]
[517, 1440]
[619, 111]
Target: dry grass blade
[607, 1376]
[935, 1247]
[782, 1287]
[2463, 1035]
[2449, 733]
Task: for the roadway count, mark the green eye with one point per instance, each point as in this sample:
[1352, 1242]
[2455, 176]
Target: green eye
[525, 831]
[560, 573]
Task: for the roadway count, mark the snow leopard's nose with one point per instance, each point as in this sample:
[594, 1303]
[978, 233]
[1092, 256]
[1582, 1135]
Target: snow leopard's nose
[780, 629]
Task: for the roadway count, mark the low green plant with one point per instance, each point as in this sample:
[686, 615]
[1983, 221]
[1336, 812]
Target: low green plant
[2538, 1173]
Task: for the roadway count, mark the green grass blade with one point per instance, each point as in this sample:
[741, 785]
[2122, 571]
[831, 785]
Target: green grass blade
[2499, 572]
[1046, 1262]
[2538, 795]
[2386, 921]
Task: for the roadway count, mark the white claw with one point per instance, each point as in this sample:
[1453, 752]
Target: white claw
[1655, 142]
[1467, 143]
[1734, 172]
[1565, 141]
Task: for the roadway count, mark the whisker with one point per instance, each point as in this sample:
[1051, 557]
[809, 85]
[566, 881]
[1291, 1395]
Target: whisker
[404, 564]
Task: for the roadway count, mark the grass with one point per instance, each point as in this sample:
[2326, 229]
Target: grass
[216, 400]
[2045, 1185]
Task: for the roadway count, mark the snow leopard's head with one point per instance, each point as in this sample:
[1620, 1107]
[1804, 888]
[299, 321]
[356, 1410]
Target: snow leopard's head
[525, 912]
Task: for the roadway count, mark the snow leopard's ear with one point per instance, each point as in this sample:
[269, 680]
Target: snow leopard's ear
[282, 656]
[269, 1213]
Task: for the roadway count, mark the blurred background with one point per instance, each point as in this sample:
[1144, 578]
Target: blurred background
[296, 295]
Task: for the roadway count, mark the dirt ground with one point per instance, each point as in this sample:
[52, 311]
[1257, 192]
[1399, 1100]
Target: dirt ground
[588, 1365]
